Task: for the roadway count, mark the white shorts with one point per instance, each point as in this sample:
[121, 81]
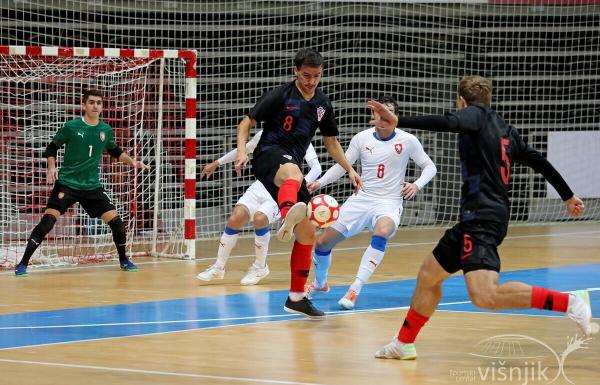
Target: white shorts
[360, 212]
[257, 199]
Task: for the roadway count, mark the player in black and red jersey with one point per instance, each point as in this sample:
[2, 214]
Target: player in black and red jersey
[488, 147]
[291, 115]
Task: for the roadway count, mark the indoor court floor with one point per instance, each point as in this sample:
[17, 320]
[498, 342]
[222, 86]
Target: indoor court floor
[97, 325]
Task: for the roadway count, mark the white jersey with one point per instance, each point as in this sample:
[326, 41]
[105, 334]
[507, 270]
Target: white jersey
[384, 163]
[256, 198]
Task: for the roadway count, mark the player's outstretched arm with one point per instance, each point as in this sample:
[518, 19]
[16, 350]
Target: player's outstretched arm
[575, 206]
[382, 117]
[428, 170]
[534, 159]
[125, 158]
[209, 169]
[335, 150]
[243, 131]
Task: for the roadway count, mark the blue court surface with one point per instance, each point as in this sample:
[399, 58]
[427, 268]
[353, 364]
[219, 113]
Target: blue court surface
[70, 325]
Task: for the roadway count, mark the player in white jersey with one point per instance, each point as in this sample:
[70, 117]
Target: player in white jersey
[255, 205]
[384, 155]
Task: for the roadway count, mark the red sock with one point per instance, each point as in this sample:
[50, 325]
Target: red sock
[411, 326]
[549, 300]
[287, 195]
[300, 266]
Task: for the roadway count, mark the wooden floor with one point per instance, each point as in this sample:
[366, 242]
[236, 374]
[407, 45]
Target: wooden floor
[338, 350]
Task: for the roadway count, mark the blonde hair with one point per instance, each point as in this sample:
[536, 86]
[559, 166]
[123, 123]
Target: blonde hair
[475, 90]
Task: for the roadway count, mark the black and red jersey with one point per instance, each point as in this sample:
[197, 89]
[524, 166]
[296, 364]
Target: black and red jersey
[488, 148]
[290, 121]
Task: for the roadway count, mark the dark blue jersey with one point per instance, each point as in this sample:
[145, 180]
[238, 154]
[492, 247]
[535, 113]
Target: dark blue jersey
[488, 148]
[290, 121]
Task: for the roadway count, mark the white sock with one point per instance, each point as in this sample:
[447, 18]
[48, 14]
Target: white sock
[226, 244]
[369, 262]
[261, 246]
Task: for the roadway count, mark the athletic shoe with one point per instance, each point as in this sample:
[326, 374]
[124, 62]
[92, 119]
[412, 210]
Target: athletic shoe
[21, 271]
[580, 311]
[296, 214]
[311, 289]
[348, 300]
[304, 307]
[254, 275]
[397, 350]
[129, 266]
[213, 272]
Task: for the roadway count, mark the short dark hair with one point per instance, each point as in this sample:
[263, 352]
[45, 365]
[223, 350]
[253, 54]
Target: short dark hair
[309, 57]
[476, 90]
[388, 99]
[88, 93]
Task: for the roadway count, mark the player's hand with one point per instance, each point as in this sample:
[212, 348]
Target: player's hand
[356, 181]
[382, 117]
[575, 206]
[313, 186]
[209, 169]
[240, 162]
[52, 175]
[409, 190]
[141, 165]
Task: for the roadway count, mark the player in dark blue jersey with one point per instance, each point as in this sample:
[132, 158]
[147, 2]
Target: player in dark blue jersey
[291, 114]
[488, 148]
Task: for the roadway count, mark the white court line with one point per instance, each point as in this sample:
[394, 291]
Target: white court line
[331, 313]
[92, 266]
[157, 372]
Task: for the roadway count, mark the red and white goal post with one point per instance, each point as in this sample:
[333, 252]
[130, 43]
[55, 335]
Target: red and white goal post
[149, 101]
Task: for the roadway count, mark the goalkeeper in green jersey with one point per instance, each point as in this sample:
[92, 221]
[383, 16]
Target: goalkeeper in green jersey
[85, 140]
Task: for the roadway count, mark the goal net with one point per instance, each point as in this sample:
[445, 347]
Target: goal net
[542, 56]
[144, 100]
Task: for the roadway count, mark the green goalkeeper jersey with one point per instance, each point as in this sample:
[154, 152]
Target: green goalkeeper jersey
[84, 145]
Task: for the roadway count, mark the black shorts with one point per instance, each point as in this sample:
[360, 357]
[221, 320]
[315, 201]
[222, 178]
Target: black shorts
[266, 164]
[471, 245]
[95, 202]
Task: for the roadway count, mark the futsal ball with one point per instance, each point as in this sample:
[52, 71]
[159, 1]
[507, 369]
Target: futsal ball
[322, 210]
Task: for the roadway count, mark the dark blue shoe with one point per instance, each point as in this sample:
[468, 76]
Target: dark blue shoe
[21, 270]
[129, 266]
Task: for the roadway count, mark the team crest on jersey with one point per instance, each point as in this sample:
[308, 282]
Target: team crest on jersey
[320, 113]
[398, 147]
[102, 136]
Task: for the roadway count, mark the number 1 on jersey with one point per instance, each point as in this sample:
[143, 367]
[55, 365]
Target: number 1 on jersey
[90, 146]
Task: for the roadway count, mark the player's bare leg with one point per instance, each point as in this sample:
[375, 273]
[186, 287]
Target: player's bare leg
[114, 221]
[36, 238]
[425, 300]
[486, 293]
[262, 235]
[289, 179]
[237, 220]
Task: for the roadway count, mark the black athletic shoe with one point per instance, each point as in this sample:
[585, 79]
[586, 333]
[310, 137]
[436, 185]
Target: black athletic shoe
[305, 307]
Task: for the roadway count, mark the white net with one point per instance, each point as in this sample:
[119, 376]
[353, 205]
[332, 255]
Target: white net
[542, 58]
[40, 93]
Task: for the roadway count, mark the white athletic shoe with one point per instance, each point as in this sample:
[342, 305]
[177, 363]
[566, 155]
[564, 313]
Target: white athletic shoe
[348, 300]
[580, 311]
[254, 275]
[213, 272]
[397, 350]
[296, 214]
